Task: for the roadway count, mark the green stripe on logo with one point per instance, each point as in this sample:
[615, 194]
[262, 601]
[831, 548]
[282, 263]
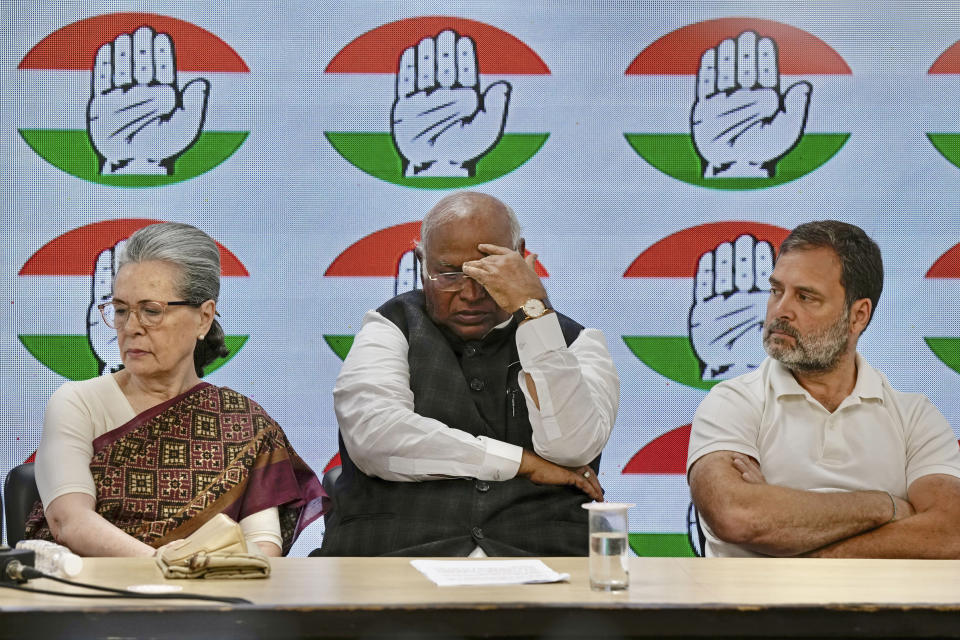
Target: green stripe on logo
[948, 144]
[71, 357]
[340, 345]
[71, 151]
[375, 154]
[947, 349]
[661, 545]
[675, 155]
[671, 357]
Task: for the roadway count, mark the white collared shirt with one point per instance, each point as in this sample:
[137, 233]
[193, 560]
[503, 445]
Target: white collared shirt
[877, 439]
[577, 387]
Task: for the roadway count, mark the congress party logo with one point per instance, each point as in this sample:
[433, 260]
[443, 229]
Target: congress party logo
[666, 457]
[946, 348]
[744, 88]
[947, 143]
[723, 270]
[387, 254]
[78, 345]
[440, 91]
[134, 99]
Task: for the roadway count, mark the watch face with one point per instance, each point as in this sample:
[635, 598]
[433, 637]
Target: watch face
[534, 308]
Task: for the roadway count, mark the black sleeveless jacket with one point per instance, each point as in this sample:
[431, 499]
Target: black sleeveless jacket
[472, 386]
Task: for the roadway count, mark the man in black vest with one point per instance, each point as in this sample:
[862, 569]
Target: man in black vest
[471, 414]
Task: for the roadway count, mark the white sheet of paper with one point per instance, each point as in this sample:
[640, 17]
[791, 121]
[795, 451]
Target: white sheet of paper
[452, 573]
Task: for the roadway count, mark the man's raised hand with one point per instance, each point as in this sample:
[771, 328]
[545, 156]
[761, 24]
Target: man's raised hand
[440, 121]
[508, 277]
[740, 122]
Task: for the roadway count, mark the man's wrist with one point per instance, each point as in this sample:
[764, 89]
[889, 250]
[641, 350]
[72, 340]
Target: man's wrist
[532, 308]
[894, 504]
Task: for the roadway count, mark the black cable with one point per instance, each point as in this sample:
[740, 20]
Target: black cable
[31, 573]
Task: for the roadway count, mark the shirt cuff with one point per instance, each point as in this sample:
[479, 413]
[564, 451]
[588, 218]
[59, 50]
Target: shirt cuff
[501, 460]
[538, 336]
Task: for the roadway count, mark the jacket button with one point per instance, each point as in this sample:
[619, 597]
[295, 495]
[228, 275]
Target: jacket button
[470, 350]
[476, 384]
[482, 486]
[477, 533]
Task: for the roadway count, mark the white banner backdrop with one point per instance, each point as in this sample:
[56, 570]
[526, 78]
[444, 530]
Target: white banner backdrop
[584, 116]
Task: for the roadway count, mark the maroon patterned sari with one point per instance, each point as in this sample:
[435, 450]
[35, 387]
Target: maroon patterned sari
[176, 465]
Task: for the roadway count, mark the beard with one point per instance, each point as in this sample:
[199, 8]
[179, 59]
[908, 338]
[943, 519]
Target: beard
[817, 352]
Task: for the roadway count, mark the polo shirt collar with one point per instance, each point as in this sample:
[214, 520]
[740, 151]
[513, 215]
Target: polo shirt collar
[869, 381]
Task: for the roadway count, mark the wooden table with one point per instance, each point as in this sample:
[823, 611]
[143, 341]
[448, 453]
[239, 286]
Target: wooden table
[385, 597]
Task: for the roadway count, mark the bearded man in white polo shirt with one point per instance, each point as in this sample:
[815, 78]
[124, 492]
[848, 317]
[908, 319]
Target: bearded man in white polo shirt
[814, 453]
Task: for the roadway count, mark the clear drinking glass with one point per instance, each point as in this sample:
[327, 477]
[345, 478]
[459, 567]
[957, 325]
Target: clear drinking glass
[609, 556]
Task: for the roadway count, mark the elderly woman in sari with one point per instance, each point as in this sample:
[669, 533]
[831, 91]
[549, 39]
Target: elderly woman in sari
[132, 460]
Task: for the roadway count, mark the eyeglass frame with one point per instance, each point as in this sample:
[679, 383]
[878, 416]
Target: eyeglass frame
[137, 308]
[462, 279]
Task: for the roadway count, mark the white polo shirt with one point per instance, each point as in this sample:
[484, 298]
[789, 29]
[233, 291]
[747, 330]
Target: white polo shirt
[877, 439]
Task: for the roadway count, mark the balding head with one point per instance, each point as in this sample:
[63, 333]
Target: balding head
[469, 204]
[452, 233]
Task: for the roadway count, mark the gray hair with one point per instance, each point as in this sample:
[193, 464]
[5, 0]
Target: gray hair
[197, 257]
[461, 205]
[191, 250]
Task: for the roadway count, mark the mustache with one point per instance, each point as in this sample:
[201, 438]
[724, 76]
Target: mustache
[781, 326]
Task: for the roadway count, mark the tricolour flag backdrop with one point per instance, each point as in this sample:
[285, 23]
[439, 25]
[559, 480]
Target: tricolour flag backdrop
[299, 138]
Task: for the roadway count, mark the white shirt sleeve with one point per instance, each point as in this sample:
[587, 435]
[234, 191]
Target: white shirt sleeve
[728, 419]
[931, 443]
[385, 437]
[66, 447]
[262, 526]
[578, 390]
[76, 415]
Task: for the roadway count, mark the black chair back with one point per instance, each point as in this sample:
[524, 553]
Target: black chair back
[695, 535]
[19, 495]
[329, 485]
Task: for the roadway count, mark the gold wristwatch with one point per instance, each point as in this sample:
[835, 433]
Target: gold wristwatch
[532, 308]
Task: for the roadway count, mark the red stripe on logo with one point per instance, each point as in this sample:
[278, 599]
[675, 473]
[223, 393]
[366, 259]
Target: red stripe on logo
[75, 252]
[676, 255]
[378, 50]
[948, 62]
[679, 52]
[74, 46]
[665, 454]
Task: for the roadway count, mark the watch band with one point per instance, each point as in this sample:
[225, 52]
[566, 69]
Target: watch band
[529, 308]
